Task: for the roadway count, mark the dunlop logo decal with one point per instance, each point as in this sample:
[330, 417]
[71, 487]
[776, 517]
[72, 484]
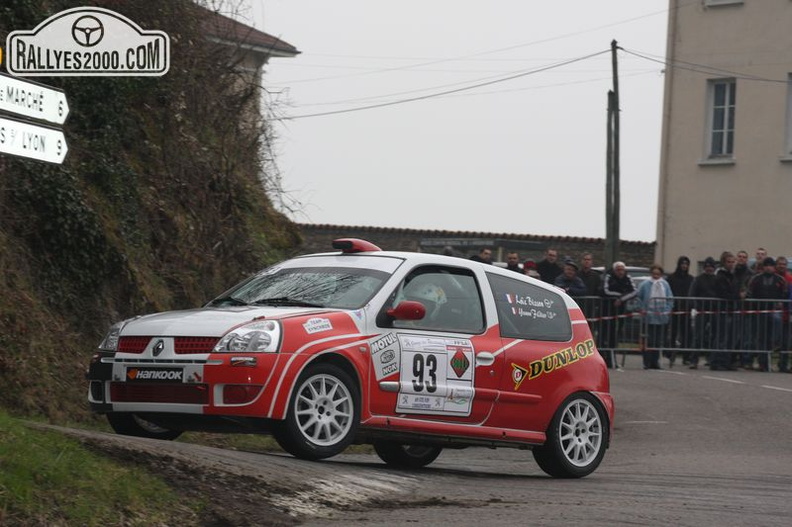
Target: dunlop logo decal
[518, 375]
[560, 359]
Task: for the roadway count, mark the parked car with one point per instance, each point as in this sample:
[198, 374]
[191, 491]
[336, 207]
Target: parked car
[410, 352]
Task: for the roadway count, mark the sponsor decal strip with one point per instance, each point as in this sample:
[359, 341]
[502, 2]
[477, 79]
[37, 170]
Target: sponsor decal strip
[550, 363]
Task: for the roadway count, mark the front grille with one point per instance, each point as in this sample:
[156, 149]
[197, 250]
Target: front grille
[133, 344]
[181, 345]
[124, 392]
[184, 345]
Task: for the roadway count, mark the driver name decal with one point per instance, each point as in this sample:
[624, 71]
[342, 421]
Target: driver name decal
[525, 306]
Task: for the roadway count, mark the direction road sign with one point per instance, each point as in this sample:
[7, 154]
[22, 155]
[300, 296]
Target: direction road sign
[33, 100]
[24, 139]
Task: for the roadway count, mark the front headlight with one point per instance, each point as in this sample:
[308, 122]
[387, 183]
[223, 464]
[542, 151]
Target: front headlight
[110, 341]
[256, 337]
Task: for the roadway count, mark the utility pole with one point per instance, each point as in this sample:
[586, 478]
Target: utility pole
[612, 187]
[610, 246]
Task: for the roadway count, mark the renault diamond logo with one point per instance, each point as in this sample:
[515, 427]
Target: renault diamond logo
[87, 31]
[158, 347]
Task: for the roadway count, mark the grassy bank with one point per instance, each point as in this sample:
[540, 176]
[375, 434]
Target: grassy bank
[48, 479]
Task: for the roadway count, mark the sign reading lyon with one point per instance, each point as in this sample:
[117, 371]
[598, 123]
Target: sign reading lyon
[23, 139]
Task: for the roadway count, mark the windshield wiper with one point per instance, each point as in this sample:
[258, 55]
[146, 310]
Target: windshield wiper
[228, 301]
[285, 301]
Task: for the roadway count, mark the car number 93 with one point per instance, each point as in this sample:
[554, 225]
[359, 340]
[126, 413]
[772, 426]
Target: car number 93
[409, 352]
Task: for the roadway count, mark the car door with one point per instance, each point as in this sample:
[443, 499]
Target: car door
[543, 350]
[427, 368]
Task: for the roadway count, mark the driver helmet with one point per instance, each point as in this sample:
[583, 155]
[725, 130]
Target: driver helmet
[430, 295]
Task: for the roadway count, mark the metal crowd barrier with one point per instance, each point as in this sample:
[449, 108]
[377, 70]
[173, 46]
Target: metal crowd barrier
[731, 332]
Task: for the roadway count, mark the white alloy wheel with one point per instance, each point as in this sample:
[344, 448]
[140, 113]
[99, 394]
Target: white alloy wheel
[323, 413]
[576, 438]
[324, 409]
[580, 432]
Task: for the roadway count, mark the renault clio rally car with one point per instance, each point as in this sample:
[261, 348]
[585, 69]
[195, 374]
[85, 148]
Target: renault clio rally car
[409, 352]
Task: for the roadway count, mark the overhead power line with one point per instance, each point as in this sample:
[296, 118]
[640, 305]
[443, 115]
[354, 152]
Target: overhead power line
[448, 92]
[700, 68]
[477, 54]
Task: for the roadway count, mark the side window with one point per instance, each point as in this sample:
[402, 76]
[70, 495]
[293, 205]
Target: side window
[451, 298]
[526, 311]
[722, 101]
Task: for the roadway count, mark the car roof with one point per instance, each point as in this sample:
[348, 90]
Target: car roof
[440, 259]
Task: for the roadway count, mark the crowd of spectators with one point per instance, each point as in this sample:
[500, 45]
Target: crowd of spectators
[734, 304]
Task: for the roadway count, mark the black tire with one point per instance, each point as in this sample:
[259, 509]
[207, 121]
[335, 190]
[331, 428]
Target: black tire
[323, 414]
[132, 425]
[399, 455]
[576, 439]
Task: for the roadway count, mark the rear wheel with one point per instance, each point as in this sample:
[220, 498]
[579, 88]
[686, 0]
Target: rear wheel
[576, 438]
[132, 425]
[323, 414]
[406, 456]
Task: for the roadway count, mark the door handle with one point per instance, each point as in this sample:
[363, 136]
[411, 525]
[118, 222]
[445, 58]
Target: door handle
[485, 358]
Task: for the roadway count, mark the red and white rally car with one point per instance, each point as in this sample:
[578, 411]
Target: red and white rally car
[409, 352]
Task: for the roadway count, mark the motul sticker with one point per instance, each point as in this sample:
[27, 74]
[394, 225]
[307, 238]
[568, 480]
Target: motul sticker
[385, 354]
[154, 374]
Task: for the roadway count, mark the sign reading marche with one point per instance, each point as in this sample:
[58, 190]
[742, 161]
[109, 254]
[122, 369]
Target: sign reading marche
[33, 100]
[24, 139]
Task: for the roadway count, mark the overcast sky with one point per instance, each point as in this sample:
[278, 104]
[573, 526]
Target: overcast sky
[524, 153]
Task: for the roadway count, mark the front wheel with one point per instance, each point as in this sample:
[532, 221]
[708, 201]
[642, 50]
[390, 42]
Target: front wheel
[132, 425]
[323, 414]
[576, 439]
[406, 456]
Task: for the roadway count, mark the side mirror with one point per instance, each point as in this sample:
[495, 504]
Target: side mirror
[407, 310]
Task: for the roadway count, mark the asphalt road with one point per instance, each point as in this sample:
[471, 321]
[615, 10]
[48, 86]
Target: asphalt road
[691, 447]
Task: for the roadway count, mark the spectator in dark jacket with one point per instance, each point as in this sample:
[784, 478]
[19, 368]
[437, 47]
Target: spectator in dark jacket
[484, 256]
[703, 289]
[766, 289]
[743, 273]
[513, 262]
[549, 268]
[680, 281]
[569, 281]
[593, 281]
[728, 290]
[617, 288]
[590, 277]
[782, 269]
[742, 270]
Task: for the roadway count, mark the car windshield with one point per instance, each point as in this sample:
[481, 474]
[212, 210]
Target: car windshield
[334, 287]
